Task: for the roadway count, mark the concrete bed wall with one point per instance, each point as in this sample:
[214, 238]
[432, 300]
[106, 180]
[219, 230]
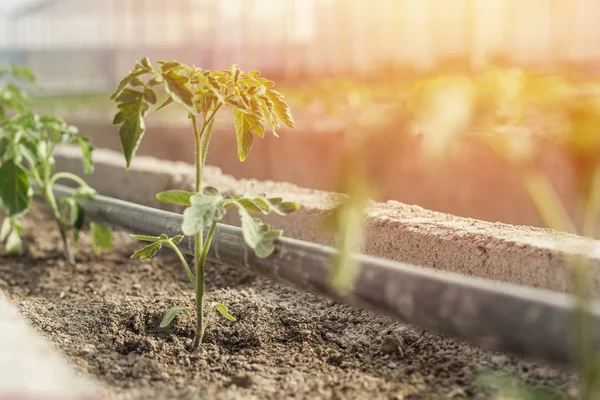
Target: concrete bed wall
[476, 183]
[517, 254]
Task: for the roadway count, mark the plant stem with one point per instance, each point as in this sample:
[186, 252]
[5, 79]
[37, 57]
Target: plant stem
[202, 138]
[199, 266]
[51, 200]
[66, 175]
[592, 208]
[546, 201]
[183, 262]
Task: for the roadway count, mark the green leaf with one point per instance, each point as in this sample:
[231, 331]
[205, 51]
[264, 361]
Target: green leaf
[244, 125]
[101, 237]
[148, 251]
[150, 96]
[222, 309]
[171, 313]
[281, 109]
[151, 250]
[125, 81]
[86, 151]
[165, 103]
[181, 197]
[179, 88]
[15, 193]
[132, 126]
[145, 238]
[258, 235]
[205, 208]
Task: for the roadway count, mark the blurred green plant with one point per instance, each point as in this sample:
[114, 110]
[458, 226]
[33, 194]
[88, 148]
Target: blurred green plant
[27, 145]
[201, 94]
[516, 114]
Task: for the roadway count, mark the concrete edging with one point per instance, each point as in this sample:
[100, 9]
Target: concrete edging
[515, 254]
[30, 368]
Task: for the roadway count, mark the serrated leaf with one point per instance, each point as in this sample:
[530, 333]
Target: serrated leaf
[15, 193]
[245, 124]
[222, 309]
[101, 237]
[280, 107]
[258, 235]
[132, 126]
[180, 197]
[205, 208]
[178, 87]
[148, 251]
[85, 143]
[125, 81]
[171, 314]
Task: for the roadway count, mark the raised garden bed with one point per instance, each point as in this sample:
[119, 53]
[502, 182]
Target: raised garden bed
[104, 314]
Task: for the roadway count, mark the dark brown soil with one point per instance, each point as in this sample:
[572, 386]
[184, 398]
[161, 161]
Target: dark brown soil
[104, 314]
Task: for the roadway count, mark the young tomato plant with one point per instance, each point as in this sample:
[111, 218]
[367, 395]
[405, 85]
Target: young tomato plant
[202, 93]
[27, 144]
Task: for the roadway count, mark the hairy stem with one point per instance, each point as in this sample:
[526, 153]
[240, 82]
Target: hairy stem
[202, 138]
[199, 266]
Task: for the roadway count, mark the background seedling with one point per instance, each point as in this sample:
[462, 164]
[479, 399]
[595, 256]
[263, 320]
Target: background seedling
[202, 93]
[27, 145]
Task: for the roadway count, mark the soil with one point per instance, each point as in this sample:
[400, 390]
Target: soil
[104, 314]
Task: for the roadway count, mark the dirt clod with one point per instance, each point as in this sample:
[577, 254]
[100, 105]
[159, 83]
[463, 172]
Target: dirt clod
[104, 314]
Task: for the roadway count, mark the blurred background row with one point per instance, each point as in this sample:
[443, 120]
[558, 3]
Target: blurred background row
[86, 45]
[321, 53]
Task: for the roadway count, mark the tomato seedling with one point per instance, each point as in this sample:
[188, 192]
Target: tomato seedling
[202, 93]
[27, 144]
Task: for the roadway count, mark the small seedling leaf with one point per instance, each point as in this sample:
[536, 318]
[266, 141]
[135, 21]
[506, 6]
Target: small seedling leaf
[205, 208]
[222, 309]
[86, 150]
[180, 197]
[101, 237]
[148, 251]
[15, 193]
[171, 314]
[145, 238]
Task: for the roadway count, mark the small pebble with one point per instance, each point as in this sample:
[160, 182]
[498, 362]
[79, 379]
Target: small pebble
[393, 365]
